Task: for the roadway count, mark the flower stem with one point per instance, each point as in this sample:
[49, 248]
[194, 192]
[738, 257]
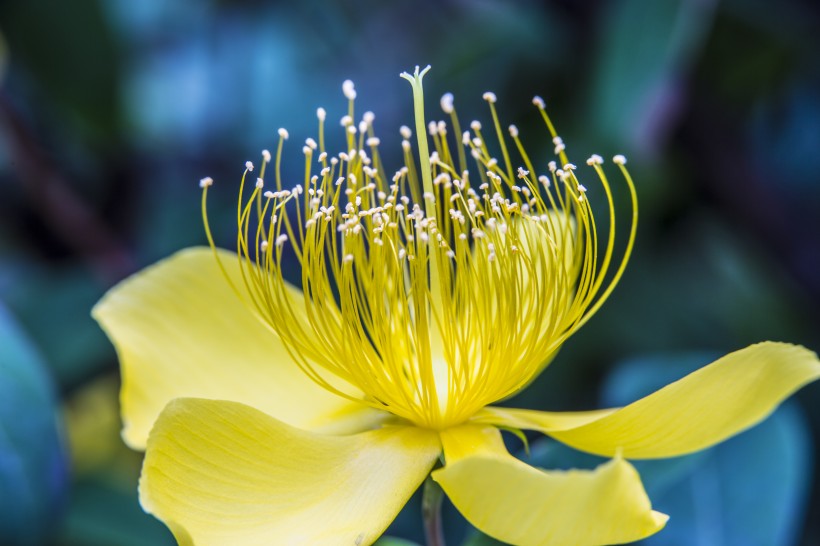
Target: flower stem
[431, 498]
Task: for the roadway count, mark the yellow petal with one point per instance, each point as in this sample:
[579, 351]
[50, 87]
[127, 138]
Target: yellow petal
[180, 330]
[702, 409]
[222, 473]
[521, 505]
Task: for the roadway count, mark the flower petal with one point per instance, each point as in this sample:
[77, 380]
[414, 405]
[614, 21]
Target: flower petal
[702, 409]
[180, 330]
[224, 473]
[516, 503]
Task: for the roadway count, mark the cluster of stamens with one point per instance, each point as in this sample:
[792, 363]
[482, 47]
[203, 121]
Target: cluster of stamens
[434, 291]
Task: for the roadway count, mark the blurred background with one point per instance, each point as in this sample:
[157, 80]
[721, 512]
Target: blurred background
[112, 110]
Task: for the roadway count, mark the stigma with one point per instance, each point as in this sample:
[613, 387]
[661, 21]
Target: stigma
[438, 288]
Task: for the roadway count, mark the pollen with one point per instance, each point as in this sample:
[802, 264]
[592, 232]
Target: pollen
[439, 289]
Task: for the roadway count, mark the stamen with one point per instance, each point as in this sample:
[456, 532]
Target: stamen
[431, 293]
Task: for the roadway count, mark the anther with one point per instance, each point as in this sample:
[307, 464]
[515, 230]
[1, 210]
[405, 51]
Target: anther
[539, 102]
[513, 131]
[349, 90]
[206, 182]
[447, 103]
[489, 96]
[619, 160]
[249, 165]
[266, 156]
[283, 133]
[321, 113]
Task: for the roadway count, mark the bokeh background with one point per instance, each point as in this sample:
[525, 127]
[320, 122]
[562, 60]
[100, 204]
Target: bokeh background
[112, 110]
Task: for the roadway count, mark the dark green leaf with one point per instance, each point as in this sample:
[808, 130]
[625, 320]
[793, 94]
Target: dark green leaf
[33, 460]
[391, 541]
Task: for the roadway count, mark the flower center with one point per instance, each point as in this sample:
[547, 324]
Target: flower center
[438, 290]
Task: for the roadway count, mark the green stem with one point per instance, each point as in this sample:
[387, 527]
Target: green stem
[431, 499]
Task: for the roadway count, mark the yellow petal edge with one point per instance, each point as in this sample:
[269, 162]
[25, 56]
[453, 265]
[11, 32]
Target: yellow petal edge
[521, 505]
[180, 330]
[222, 473]
[703, 408]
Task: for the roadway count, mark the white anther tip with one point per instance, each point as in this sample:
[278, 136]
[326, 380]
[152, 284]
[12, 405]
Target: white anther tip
[321, 113]
[283, 133]
[489, 96]
[349, 90]
[259, 183]
[206, 182]
[447, 103]
[249, 165]
[619, 160]
[266, 156]
[595, 159]
[513, 131]
[538, 101]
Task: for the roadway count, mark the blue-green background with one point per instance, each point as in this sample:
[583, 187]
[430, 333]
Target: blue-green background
[112, 110]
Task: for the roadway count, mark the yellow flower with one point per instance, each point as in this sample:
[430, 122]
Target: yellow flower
[308, 416]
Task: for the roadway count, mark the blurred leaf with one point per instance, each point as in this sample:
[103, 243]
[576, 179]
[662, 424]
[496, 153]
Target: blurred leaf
[702, 284]
[55, 305]
[644, 52]
[93, 426]
[68, 48]
[481, 540]
[104, 506]
[4, 53]
[747, 491]
[102, 515]
[391, 541]
[33, 465]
